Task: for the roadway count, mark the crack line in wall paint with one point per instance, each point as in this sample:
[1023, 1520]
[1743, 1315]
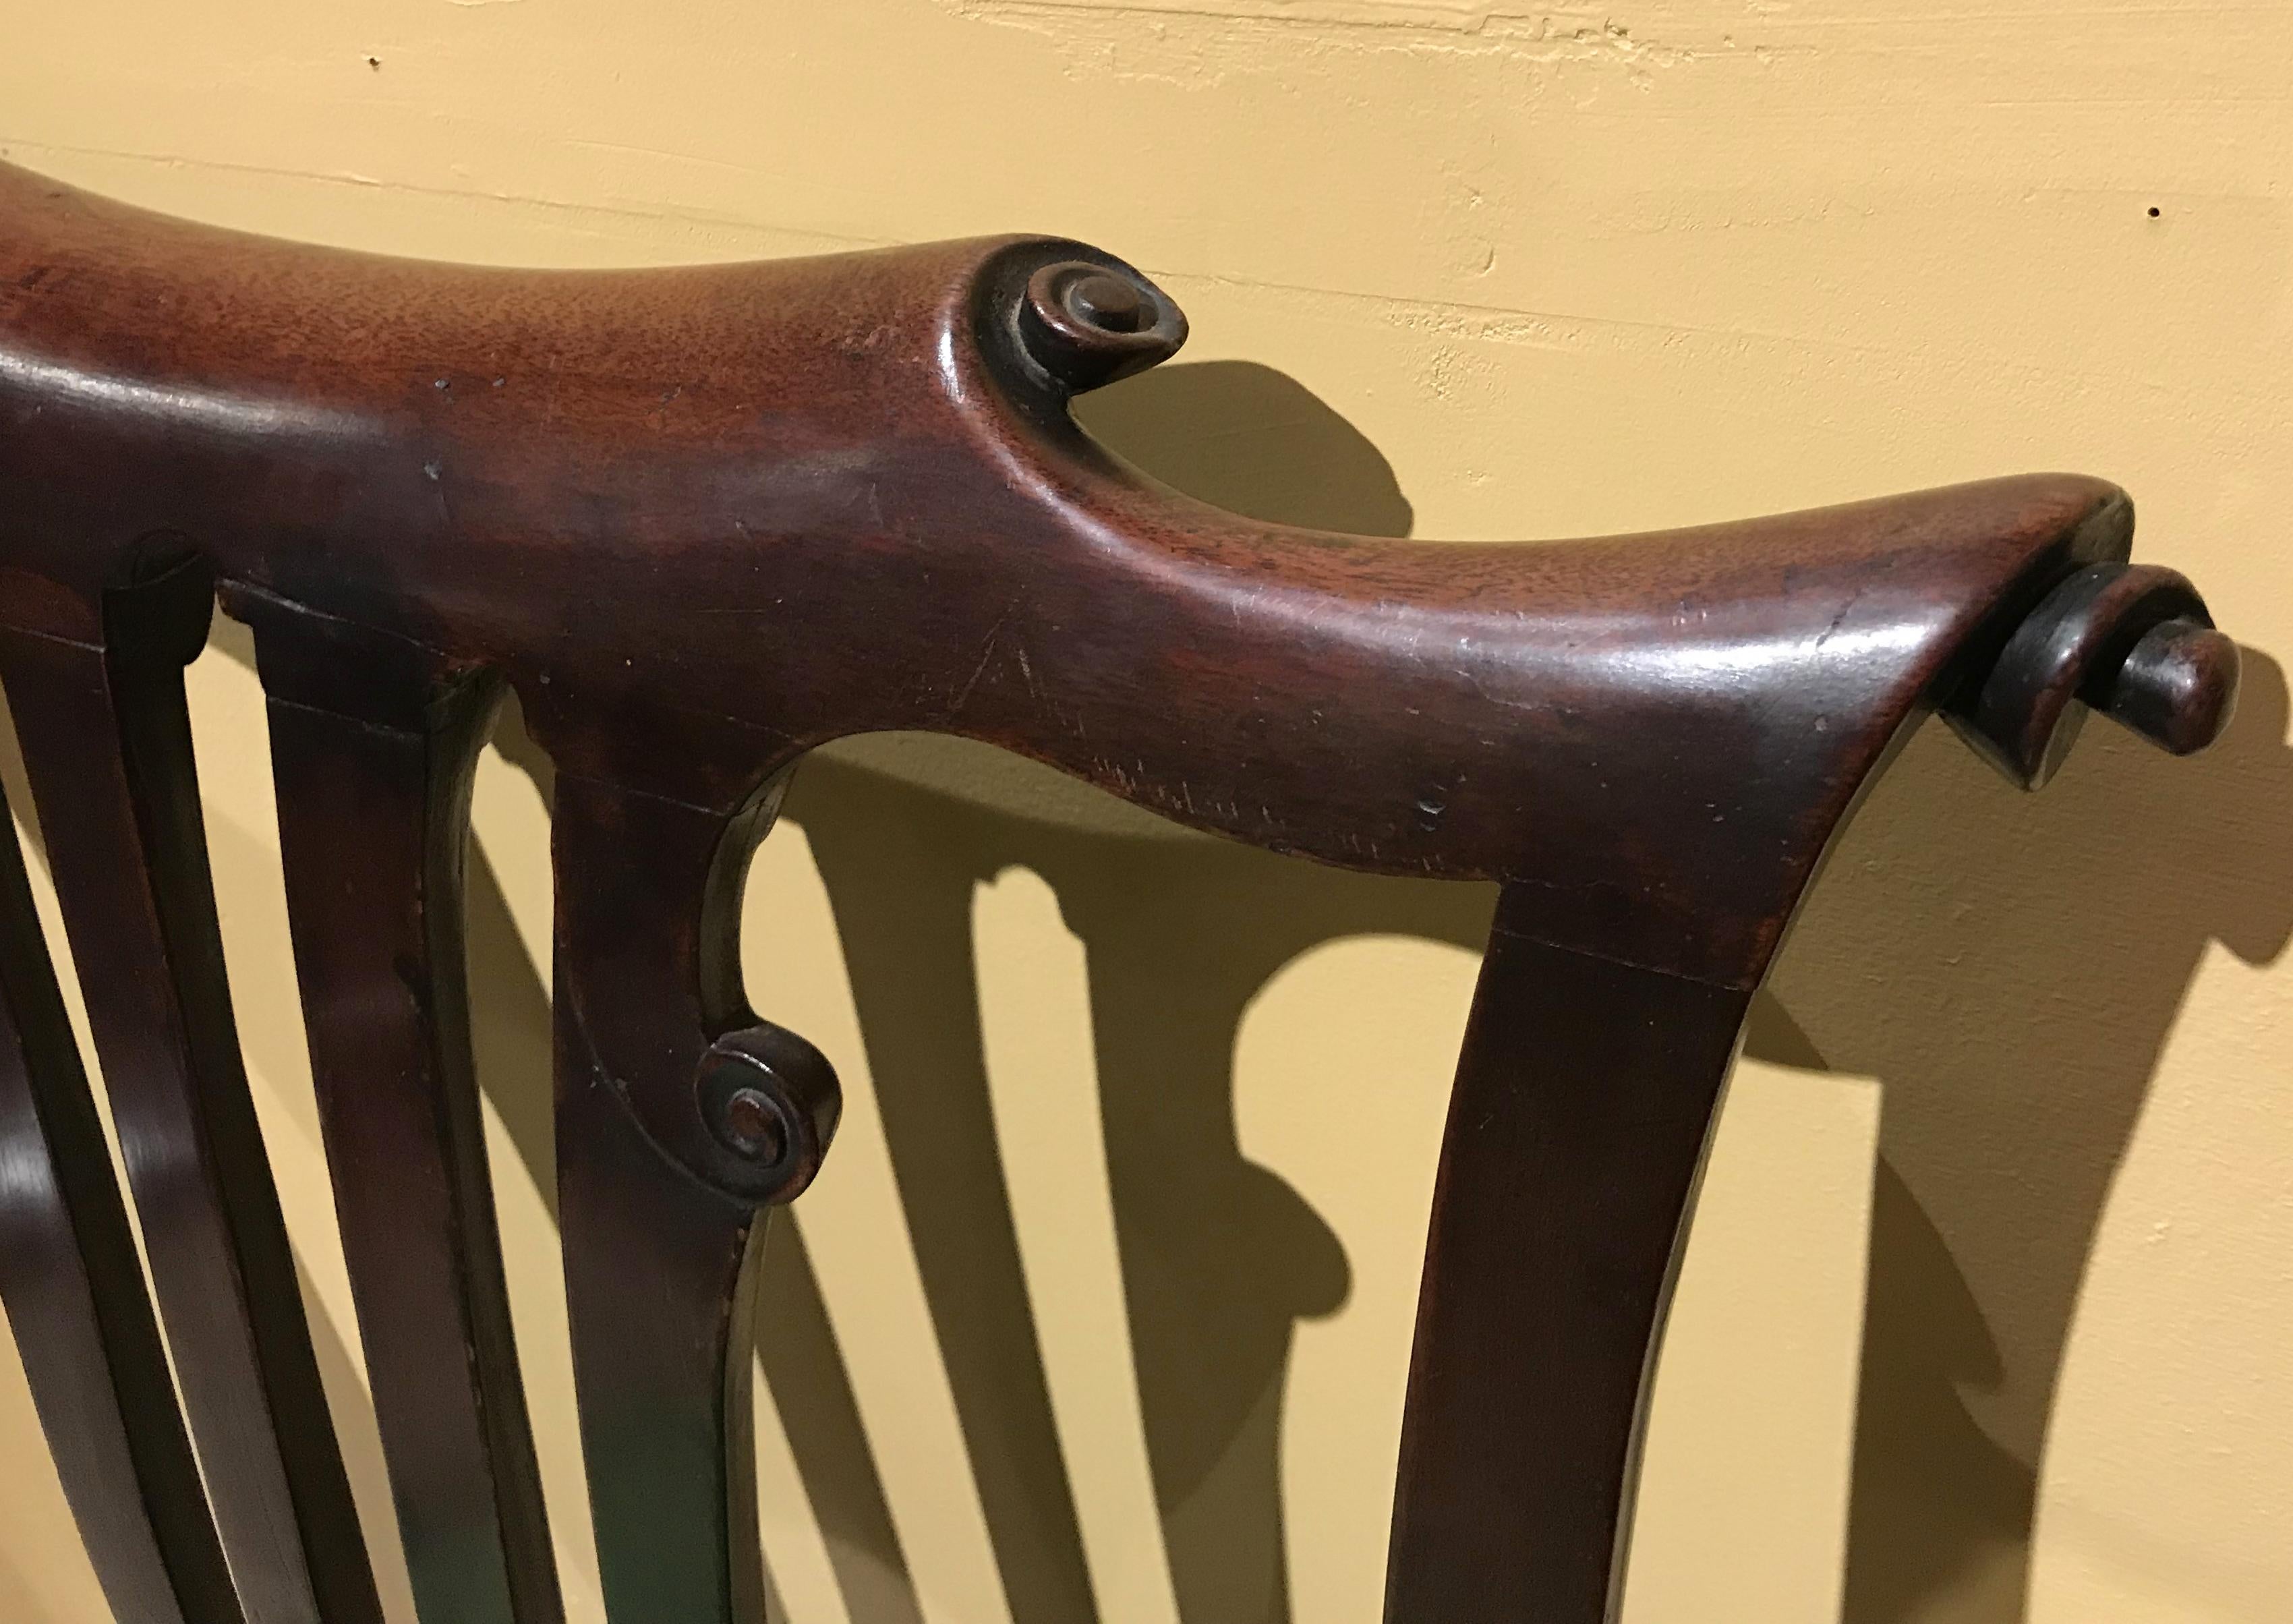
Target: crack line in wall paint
[1588, 38]
[17, 149]
[1381, 14]
[1879, 366]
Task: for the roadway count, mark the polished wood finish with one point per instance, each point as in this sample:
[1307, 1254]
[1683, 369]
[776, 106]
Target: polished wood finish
[83, 1323]
[107, 746]
[374, 745]
[704, 520]
[658, 1263]
[1585, 1097]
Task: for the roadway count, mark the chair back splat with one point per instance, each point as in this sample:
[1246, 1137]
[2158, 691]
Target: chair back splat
[701, 521]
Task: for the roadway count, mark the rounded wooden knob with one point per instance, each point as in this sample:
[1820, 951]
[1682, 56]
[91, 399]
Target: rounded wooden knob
[1083, 324]
[770, 1101]
[2177, 687]
[2133, 641]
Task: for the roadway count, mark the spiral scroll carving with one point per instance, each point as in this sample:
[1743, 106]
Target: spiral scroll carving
[1081, 324]
[2133, 641]
[770, 1101]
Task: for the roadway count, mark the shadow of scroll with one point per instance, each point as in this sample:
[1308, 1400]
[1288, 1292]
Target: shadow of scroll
[1253, 440]
[2011, 982]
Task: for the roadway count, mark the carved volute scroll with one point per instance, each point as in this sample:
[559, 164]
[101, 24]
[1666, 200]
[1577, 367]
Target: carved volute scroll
[705, 520]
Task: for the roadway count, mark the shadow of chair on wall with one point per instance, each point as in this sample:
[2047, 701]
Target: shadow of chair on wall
[2010, 968]
[2091, 906]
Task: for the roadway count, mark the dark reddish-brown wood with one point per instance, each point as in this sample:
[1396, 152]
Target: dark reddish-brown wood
[678, 1115]
[107, 747]
[374, 744]
[1586, 1096]
[704, 520]
[76, 1297]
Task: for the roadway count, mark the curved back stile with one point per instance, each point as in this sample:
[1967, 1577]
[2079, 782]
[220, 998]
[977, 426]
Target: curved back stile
[702, 521]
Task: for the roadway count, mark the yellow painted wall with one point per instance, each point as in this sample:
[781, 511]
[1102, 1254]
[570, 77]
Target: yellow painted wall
[2027, 1079]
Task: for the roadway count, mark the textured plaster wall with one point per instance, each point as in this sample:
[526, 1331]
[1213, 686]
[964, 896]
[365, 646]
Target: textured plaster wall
[1106, 1289]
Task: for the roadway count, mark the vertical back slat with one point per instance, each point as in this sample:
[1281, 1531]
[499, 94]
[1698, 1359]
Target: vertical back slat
[374, 743]
[659, 1266]
[1584, 1099]
[107, 746]
[82, 1317]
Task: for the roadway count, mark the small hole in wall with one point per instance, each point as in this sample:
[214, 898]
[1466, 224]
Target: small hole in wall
[2153, 211]
[375, 63]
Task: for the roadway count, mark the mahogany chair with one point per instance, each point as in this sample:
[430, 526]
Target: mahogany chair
[702, 521]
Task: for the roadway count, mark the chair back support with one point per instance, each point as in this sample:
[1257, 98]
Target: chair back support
[702, 521]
